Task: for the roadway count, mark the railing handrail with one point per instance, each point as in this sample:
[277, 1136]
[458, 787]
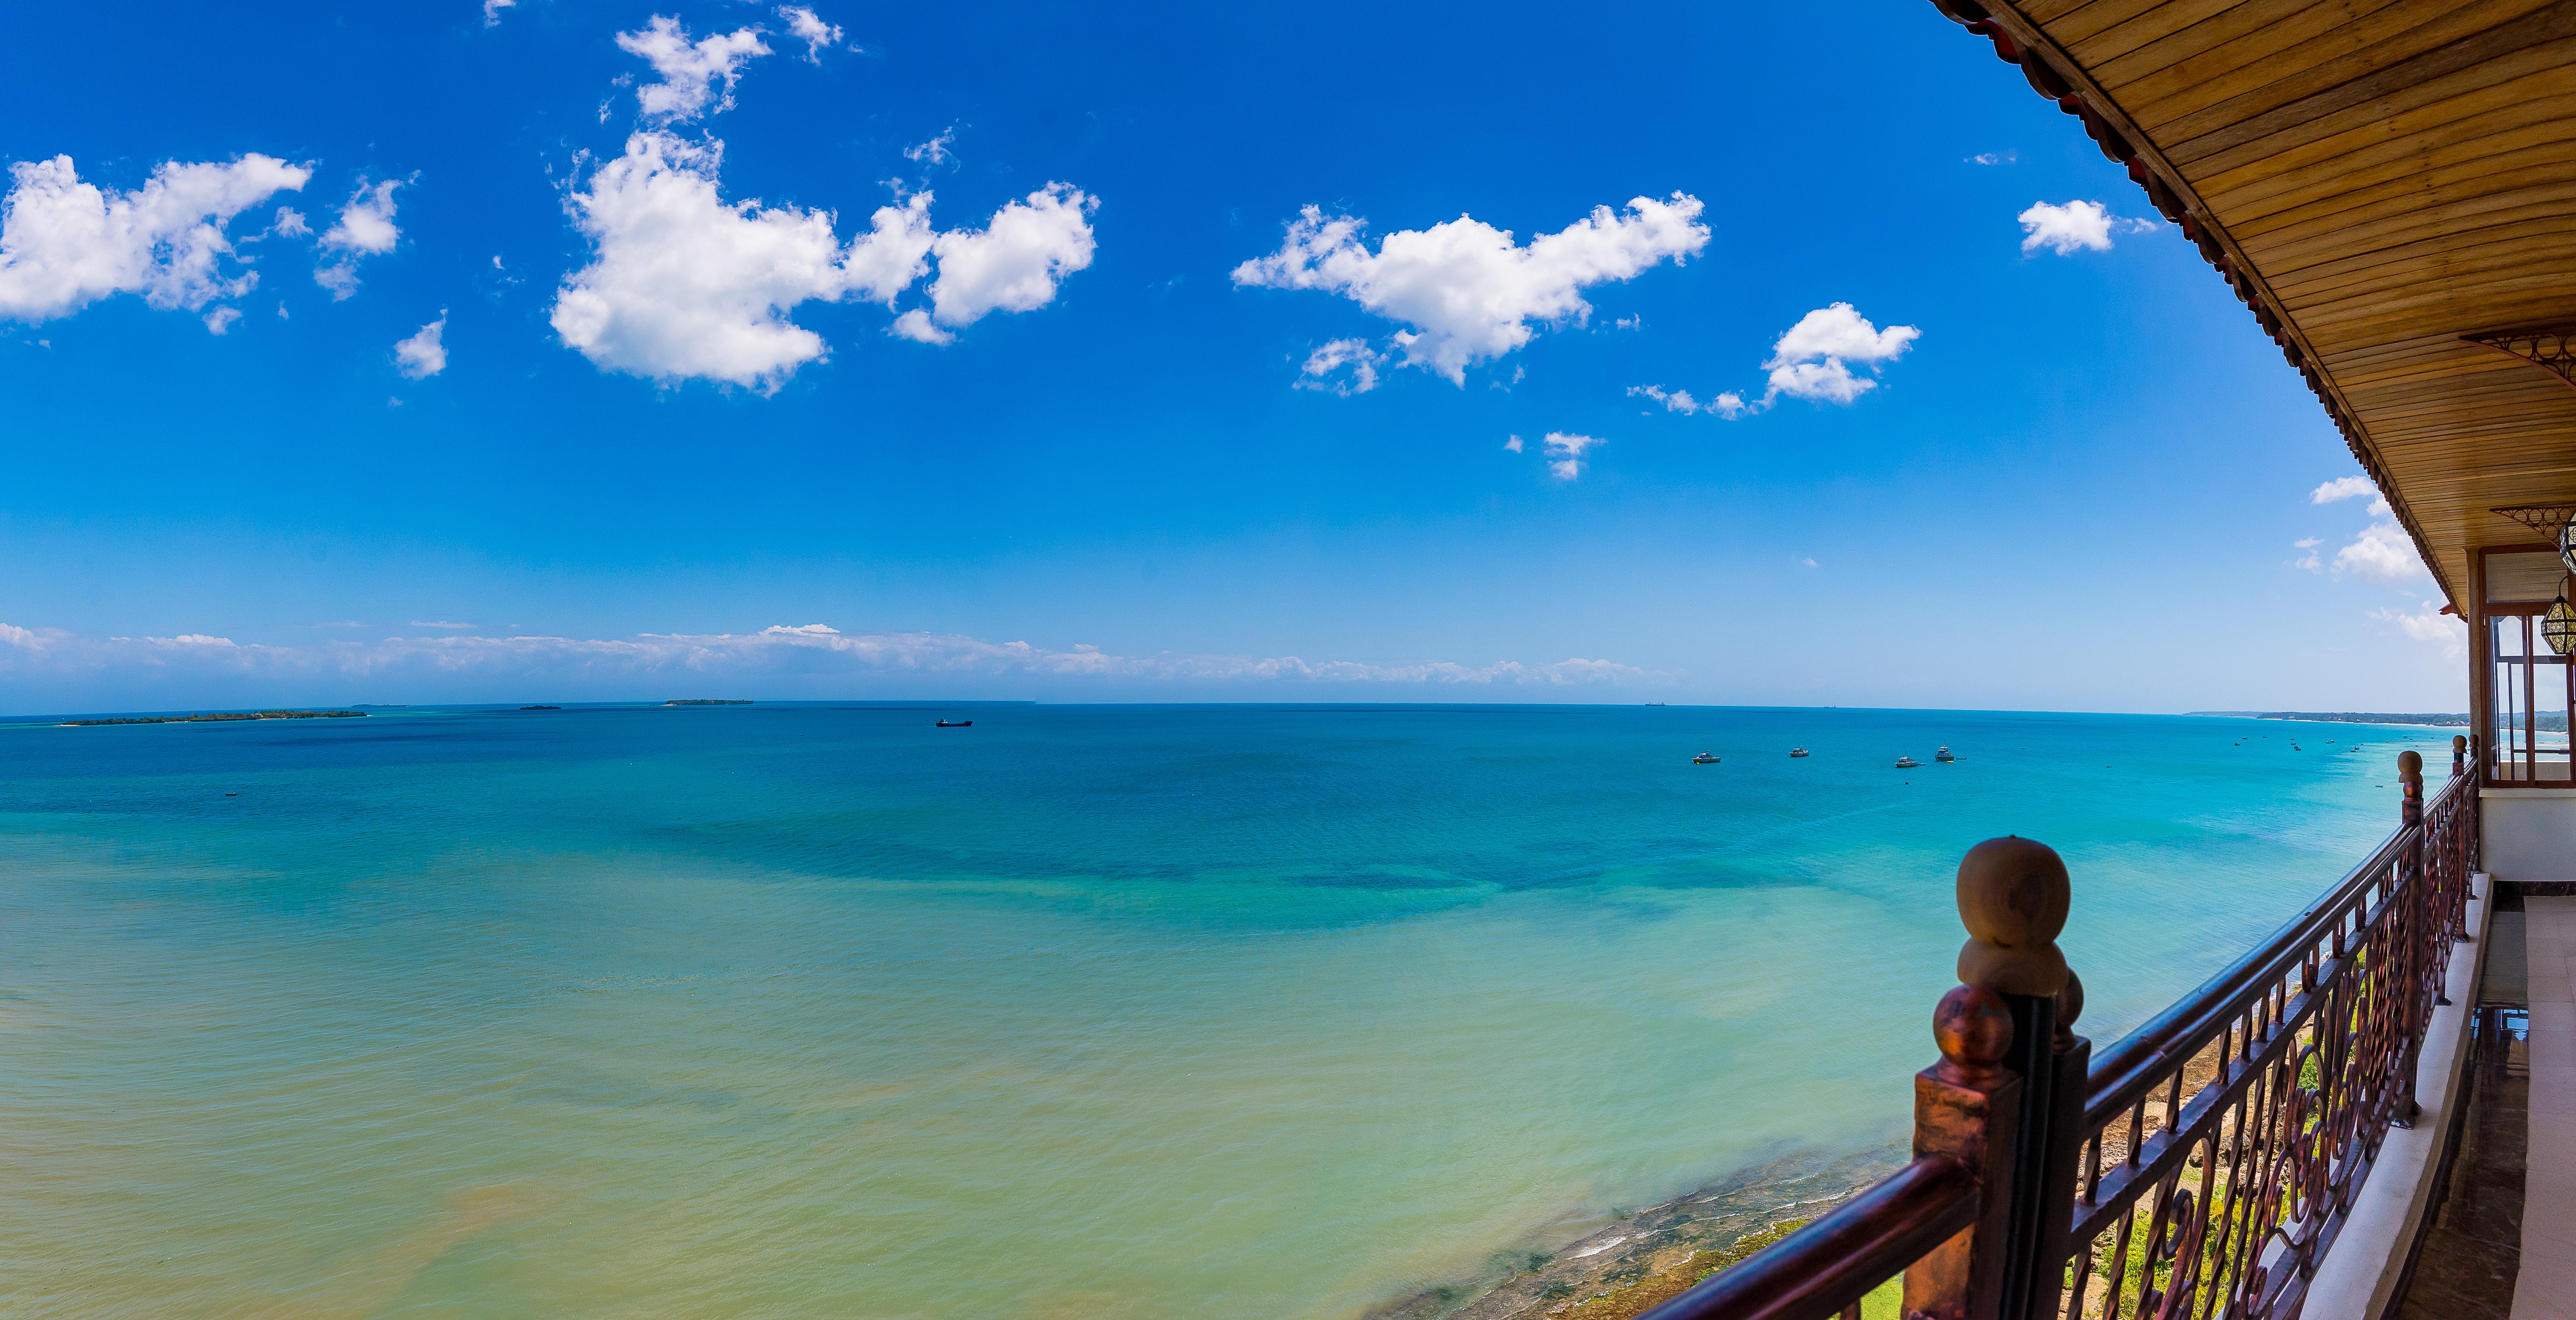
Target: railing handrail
[2127, 1070]
[1834, 1262]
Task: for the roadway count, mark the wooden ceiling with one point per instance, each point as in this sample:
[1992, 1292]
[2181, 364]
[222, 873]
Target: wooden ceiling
[2378, 180]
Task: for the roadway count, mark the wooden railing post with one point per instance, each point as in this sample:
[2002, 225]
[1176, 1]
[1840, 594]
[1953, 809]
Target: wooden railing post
[1995, 1102]
[2412, 915]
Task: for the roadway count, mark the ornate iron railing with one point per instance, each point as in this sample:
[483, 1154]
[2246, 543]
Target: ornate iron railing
[2198, 1169]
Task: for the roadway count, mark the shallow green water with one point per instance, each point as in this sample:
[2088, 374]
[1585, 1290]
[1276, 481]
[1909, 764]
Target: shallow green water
[1085, 1011]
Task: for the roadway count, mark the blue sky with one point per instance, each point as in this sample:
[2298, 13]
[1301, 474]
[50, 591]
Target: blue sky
[681, 392]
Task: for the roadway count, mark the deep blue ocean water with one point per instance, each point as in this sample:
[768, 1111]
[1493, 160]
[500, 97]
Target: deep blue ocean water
[815, 1009]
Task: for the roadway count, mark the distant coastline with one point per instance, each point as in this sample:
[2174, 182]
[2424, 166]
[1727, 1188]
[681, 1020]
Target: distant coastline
[216, 717]
[2362, 717]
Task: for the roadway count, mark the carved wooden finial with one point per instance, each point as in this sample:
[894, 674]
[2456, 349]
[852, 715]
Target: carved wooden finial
[2013, 896]
[2410, 768]
[2070, 1006]
[1973, 1026]
[2459, 744]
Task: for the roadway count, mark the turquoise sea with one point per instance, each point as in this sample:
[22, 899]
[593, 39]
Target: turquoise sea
[1095, 1011]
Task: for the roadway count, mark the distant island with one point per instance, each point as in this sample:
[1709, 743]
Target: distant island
[221, 716]
[2362, 717]
[706, 701]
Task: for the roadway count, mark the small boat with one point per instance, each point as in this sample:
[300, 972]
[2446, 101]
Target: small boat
[957, 724]
[1796, 752]
[1943, 755]
[1906, 763]
[1703, 759]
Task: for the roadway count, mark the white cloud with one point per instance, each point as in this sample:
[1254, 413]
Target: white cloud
[1994, 158]
[365, 229]
[2382, 553]
[2307, 559]
[935, 151]
[1465, 288]
[1567, 452]
[1808, 562]
[288, 224]
[1016, 261]
[813, 31]
[2341, 488]
[2066, 229]
[1325, 362]
[1812, 360]
[688, 69]
[782, 650]
[1679, 401]
[65, 244]
[2429, 624]
[492, 11]
[424, 354]
[682, 284]
[1513, 444]
[221, 319]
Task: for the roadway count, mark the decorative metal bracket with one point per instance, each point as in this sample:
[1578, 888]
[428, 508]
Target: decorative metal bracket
[2552, 350]
[2547, 519]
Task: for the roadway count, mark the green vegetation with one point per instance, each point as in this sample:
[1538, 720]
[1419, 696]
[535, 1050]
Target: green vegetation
[224, 716]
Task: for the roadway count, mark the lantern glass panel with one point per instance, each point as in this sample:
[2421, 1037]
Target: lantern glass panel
[2567, 545]
[2558, 628]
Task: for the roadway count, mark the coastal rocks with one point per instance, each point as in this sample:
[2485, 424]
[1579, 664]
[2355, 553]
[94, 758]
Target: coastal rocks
[1648, 1256]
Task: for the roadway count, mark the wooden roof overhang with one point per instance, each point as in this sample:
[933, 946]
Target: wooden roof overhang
[2390, 186]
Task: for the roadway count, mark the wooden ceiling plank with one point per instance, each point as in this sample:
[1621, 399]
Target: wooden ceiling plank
[2322, 65]
[2238, 46]
[2398, 167]
[2433, 259]
[2532, 169]
[2287, 258]
[2091, 21]
[2171, 19]
[2554, 23]
[2452, 109]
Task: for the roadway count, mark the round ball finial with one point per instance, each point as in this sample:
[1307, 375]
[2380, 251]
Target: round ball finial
[1973, 1026]
[2070, 1006]
[2410, 766]
[2459, 744]
[2013, 898]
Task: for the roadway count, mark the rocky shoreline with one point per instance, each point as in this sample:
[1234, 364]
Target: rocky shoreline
[1645, 1256]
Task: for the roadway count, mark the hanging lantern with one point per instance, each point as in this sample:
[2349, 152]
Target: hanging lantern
[2567, 545]
[2558, 627]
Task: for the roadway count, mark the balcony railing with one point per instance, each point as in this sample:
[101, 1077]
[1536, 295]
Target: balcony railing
[2201, 1167]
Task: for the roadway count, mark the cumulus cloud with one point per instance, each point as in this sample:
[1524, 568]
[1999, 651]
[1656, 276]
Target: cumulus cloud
[1994, 158]
[2341, 488]
[1566, 453]
[2307, 548]
[689, 70]
[1513, 444]
[2382, 553]
[1016, 261]
[2076, 226]
[682, 284]
[1467, 291]
[65, 244]
[424, 354]
[1813, 360]
[2429, 625]
[780, 650]
[492, 11]
[1324, 368]
[365, 229]
[221, 319]
[813, 31]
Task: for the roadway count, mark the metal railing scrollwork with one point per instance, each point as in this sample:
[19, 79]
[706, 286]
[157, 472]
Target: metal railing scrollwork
[2197, 1169]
